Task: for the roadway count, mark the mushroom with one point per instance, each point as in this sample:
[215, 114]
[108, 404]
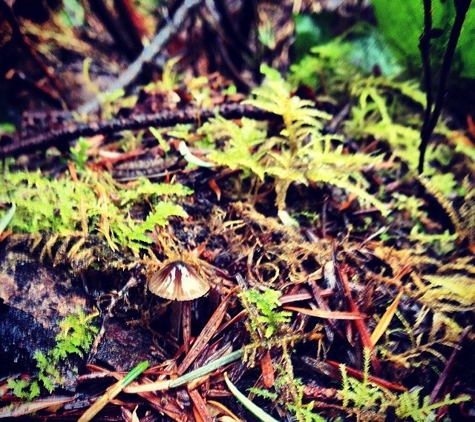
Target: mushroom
[178, 281]
[181, 283]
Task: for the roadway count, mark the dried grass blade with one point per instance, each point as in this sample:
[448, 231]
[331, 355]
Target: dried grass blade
[16, 410]
[320, 313]
[112, 392]
[248, 404]
[384, 322]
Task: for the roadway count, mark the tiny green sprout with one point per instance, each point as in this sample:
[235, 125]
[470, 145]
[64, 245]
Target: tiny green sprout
[158, 136]
[268, 321]
[78, 153]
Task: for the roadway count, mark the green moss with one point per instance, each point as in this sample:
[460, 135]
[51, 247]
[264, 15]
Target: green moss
[93, 204]
[75, 337]
[366, 399]
[299, 154]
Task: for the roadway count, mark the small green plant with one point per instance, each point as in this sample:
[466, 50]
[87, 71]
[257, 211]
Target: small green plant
[288, 392]
[75, 337]
[366, 399]
[92, 204]
[362, 395]
[269, 328]
[267, 321]
[379, 101]
[244, 149]
[78, 153]
[299, 154]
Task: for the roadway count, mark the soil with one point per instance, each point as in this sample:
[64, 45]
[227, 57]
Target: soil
[341, 272]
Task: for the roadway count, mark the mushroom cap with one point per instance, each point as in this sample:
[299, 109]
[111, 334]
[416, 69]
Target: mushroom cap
[178, 281]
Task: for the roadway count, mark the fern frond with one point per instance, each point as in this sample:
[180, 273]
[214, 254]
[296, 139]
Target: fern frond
[240, 151]
[410, 406]
[303, 153]
[449, 293]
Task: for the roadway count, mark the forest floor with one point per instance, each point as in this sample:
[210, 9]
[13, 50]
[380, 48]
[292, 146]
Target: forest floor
[267, 230]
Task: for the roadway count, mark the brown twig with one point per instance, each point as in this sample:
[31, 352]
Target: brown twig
[448, 367]
[166, 118]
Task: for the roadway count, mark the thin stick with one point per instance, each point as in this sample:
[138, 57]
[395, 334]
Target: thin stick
[461, 8]
[162, 37]
[166, 118]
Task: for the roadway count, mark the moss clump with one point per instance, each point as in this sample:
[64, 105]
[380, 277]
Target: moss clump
[76, 337]
[92, 204]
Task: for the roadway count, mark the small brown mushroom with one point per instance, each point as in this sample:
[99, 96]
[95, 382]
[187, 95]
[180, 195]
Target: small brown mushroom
[178, 281]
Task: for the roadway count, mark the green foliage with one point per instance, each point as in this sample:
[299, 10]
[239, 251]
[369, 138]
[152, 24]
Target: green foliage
[379, 112]
[286, 386]
[7, 128]
[264, 393]
[303, 153]
[299, 154]
[268, 321]
[326, 63]
[158, 135]
[410, 405]
[242, 150]
[92, 204]
[24, 389]
[78, 153]
[311, 30]
[269, 328]
[75, 337]
[42, 204]
[449, 293]
[385, 108]
[363, 395]
[402, 24]
[150, 192]
[5, 220]
[369, 49]
[332, 62]
[365, 398]
[443, 242]
[73, 13]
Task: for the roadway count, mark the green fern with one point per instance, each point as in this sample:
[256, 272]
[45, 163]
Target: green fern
[377, 103]
[449, 293]
[365, 396]
[326, 65]
[264, 393]
[267, 321]
[299, 154]
[242, 143]
[410, 406]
